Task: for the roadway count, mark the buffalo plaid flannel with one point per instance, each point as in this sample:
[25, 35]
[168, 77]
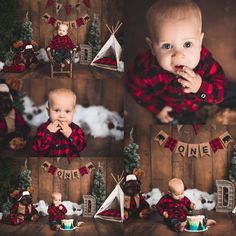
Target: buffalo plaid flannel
[55, 214]
[133, 210]
[27, 212]
[61, 42]
[111, 212]
[50, 144]
[216, 144]
[155, 88]
[175, 208]
[22, 127]
[170, 143]
[107, 61]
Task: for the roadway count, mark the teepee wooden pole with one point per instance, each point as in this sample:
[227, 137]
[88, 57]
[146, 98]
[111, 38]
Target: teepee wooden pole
[118, 27]
[114, 178]
[109, 28]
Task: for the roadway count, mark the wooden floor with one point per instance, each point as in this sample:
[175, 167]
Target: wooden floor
[154, 226]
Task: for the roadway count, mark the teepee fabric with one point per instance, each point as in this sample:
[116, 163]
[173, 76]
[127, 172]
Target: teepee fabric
[114, 201]
[110, 54]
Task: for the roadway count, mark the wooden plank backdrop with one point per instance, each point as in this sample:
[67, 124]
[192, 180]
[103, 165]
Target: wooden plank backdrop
[45, 183]
[109, 12]
[199, 172]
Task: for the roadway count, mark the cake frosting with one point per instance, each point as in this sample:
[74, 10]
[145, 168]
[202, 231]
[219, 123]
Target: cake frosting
[67, 224]
[195, 223]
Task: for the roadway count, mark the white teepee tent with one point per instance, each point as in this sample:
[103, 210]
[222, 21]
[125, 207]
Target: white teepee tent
[114, 200]
[111, 49]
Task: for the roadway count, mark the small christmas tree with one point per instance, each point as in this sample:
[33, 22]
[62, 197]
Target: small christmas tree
[6, 207]
[25, 180]
[232, 172]
[131, 157]
[94, 36]
[27, 30]
[99, 187]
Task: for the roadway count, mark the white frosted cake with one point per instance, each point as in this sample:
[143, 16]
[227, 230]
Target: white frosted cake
[195, 223]
[67, 224]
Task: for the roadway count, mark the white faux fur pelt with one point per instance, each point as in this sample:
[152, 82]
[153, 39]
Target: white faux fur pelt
[94, 120]
[153, 197]
[1, 65]
[202, 200]
[72, 208]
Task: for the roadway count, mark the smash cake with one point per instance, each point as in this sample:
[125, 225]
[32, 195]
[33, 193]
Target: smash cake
[196, 223]
[67, 224]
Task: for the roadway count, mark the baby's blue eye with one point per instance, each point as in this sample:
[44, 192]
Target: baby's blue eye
[167, 46]
[188, 44]
[57, 110]
[67, 111]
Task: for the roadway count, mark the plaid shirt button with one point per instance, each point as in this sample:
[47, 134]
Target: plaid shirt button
[203, 95]
[71, 139]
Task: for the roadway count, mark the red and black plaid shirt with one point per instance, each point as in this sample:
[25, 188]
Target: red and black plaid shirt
[27, 211]
[55, 214]
[50, 144]
[174, 208]
[61, 42]
[155, 88]
[22, 128]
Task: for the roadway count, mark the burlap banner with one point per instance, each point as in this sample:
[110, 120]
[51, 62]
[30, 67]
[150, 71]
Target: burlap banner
[67, 174]
[58, 5]
[194, 150]
[71, 24]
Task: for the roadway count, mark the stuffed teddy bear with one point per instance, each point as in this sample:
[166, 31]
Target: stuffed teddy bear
[22, 210]
[134, 203]
[13, 128]
[24, 58]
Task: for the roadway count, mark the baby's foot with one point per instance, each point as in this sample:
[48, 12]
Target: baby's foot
[182, 226]
[210, 222]
[67, 61]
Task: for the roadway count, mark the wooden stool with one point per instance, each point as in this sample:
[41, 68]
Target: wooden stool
[57, 69]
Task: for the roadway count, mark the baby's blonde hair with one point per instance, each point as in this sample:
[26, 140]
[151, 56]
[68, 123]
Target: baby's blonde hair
[62, 24]
[173, 183]
[56, 194]
[172, 10]
[61, 91]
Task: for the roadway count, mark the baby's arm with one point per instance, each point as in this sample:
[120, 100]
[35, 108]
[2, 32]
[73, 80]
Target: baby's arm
[209, 88]
[77, 139]
[42, 140]
[160, 206]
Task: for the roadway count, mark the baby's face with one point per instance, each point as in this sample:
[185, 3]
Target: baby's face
[62, 108]
[62, 30]
[176, 44]
[177, 192]
[57, 200]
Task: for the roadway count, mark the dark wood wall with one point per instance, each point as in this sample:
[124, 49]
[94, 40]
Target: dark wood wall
[160, 164]
[109, 12]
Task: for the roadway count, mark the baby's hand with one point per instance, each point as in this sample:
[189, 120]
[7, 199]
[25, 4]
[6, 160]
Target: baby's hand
[192, 206]
[191, 82]
[165, 214]
[60, 207]
[164, 116]
[65, 129]
[48, 49]
[54, 127]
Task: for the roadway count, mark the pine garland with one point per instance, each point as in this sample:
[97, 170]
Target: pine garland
[131, 157]
[99, 191]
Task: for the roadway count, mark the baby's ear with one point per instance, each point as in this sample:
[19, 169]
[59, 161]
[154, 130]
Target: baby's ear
[201, 37]
[150, 45]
